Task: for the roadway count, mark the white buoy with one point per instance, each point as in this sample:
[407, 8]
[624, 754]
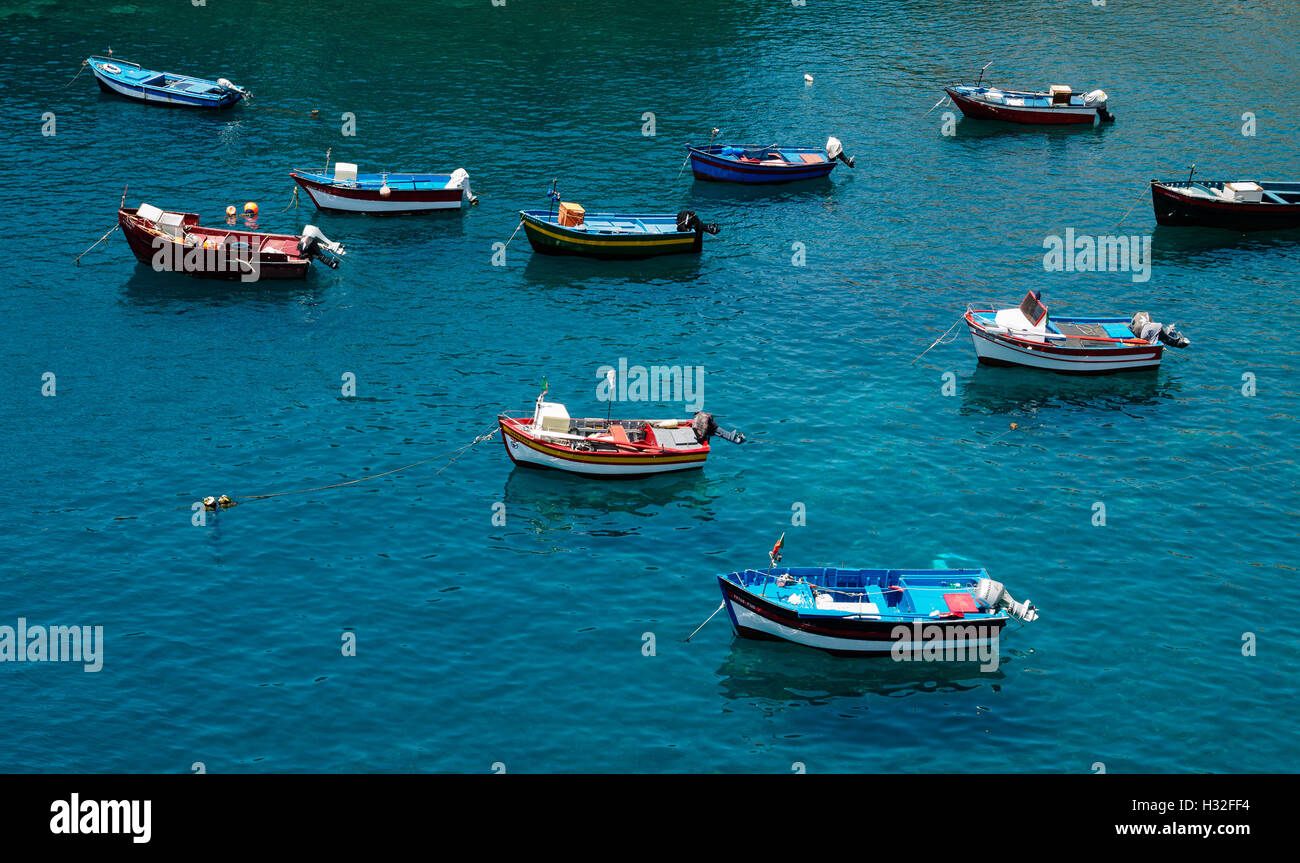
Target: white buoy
[807, 79]
[384, 191]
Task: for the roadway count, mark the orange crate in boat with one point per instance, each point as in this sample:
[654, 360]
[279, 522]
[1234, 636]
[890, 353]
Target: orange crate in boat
[571, 215]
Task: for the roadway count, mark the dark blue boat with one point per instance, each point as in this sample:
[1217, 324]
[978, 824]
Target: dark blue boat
[745, 163]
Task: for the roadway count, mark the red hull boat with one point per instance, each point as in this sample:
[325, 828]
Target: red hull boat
[1059, 106]
[1239, 206]
[177, 243]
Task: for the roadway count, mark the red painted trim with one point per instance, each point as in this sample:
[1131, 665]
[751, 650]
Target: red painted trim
[1034, 116]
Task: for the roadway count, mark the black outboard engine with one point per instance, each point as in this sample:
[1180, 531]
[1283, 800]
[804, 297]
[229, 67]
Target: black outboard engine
[688, 221]
[705, 427]
[314, 244]
[1170, 335]
[1144, 328]
[1105, 115]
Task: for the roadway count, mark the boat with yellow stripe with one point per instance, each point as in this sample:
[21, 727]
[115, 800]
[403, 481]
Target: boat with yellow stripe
[571, 230]
[601, 447]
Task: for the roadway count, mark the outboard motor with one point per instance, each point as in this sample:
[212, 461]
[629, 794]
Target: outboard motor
[835, 150]
[1144, 328]
[993, 595]
[1097, 99]
[314, 244]
[705, 427]
[226, 84]
[688, 221]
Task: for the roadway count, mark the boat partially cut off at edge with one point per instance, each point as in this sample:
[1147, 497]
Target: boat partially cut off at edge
[345, 190]
[870, 612]
[1242, 205]
[1024, 336]
[163, 88]
[176, 242]
[599, 447]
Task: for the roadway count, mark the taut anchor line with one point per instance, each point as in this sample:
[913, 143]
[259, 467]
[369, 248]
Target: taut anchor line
[212, 503]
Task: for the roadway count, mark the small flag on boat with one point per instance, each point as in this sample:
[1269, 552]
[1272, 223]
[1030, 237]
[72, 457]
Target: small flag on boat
[775, 554]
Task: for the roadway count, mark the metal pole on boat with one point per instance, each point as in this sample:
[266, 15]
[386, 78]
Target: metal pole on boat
[981, 80]
[609, 408]
[327, 160]
[721, 605]
[1192, 171]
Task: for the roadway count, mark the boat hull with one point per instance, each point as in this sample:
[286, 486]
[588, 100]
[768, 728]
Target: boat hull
[752, 616]
[706, 166]
[1173, 208]
[997, 350]
[528, 451]
[1045, 116]
[547, 238]
[161, 96]
[398, 201]
[161, 255]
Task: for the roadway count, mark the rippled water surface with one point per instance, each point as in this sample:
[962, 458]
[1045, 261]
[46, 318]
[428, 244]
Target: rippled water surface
[523, 643]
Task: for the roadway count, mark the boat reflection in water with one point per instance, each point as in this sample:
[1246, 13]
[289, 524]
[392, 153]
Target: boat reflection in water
[788, 675]
[1003, 390]
[554, 503]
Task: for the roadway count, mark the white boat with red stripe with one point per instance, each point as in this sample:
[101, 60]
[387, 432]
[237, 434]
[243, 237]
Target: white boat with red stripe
[603, 447]
[1024, 336]
[392, 193]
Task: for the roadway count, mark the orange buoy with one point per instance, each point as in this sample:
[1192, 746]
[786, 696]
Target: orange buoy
[250, 210]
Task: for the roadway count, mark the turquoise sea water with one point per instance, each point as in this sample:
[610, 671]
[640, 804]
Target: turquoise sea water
[523, 644]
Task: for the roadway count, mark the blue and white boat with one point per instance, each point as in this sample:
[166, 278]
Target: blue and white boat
[347, 191]
[754, 165]
[864, 612]
[164, 88]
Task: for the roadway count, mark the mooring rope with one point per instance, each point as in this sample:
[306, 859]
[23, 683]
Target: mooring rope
[940, 339]
[454, 453]
[512, 236]
[1145, 190]
[76, 262]
[84, 64]
[293, 201]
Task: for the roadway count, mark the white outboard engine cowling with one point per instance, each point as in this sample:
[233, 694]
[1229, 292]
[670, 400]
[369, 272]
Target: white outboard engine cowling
[835, 150]
[227, 84]
[460, 179]
[314, 244]
[1097, 99]
[994, 595]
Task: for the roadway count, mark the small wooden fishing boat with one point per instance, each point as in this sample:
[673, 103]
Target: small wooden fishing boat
[1023, 336]
[1242, 205]
[866, 612]
[1060, 105]
[164, 88]
[598, 447]
[175, 242]
[753, 165]
[613, 236]
[393, 193]
[571, 230]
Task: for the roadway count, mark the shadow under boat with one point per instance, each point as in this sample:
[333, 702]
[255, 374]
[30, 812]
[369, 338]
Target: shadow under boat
[741, 193]
[792, 674]
[1016, 391]
[1191, 244]
[556, 500]
[147, 286]
[555, 272]
[976, 128]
